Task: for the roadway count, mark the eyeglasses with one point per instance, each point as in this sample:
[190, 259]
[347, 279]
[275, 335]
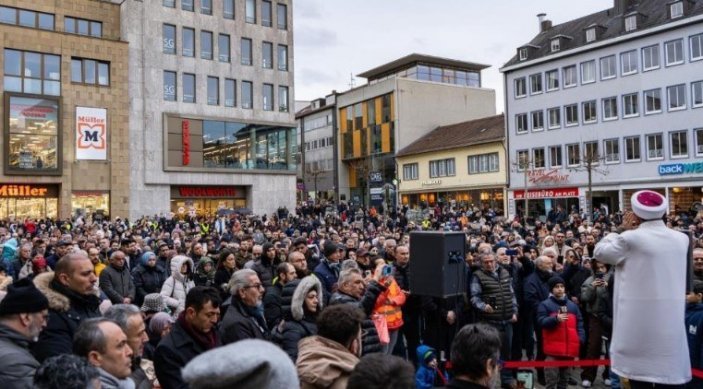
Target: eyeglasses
[698, 259]
[257, 286]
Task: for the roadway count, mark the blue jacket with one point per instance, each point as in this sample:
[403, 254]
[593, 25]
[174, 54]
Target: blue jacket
[425, 376]
[694, 332]
[327, 274]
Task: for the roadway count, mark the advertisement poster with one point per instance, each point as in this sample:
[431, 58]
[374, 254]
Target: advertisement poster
[91, 133]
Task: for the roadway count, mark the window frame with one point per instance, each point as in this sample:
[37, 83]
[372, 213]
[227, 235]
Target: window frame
[560, 155]
[691, 50]
[91, 23]
[40, 78]
[414, 171]
[281, 106]
[565, 78]
[227, 59]
[280, 26]
[270, 106]
[555, 45]
[590, 35]
[264, 52]
[278, 58]
[588, 144]
[594, 105]
[204, 10]
[697, 96]
[603, 110]
[646, 94]
[436, 167]
[679, 88]
[247, 18]
[190, 76]
[244, 96]
[516, 82]
[539, 120]
[674, 42]
[625, 115]
[678, 7]
[550, 124]
[606, 149]
[264, 22]
[648, 49]
[203, 53]
[555, 79]
[164, 45]
[532, 84]
[591, 81]
[82, 80]
[526, 153]
[699, 146]
[233, 83]
[629, 55]
[225, 13]
[627, 148]
[492, 163]
[648, 138]
[575, 108]
[185, 30]
[522, 117]
[535, 160]
[175, 85]
[249, 53]
[613, 66]
[216, 85]
[569, 148]
[671, 143]
[630, 23]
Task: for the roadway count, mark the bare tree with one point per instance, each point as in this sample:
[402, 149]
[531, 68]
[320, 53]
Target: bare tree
[313, 173]
[590, 162]
[523, 164]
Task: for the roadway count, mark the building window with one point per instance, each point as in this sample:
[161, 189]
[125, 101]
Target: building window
[650, 57]
[628, 62]
[283, 58]
[82, 27]
[169, 85]
[588, 72]
[538, 160]
[655, 147]
[282, 16]
[536, 84]
[169, 33]
[555, 159]
[608, 67]
[26, 18]
[267, 55]
[570, 76]
[610, 108]
[590, 35]
[283, 98]
[630, 105]
[213, 90]
[410, 171]
[205, 44]
[632, 149]
[554, 115]
[697, 94]
[612, 150]
[250, 11]
[555, 46]
[679, 144]
[483, 163]
[652, 101]
[520, 87]
[537, 120]
[188, 42]
[230, 92]
[169, 3]
[521, 123]
[31, 136]
[677, 97]
[442, 168]
[267, 97]
[523, 160]
[699, 142]
[590, 152]
[522, 53]
[573, 154]
[696, 43]
[247, 95]
[223, 48]
[228, 9]
[88, 71]
[674, 52]
[571, 113]
[30, 72]
[266, 14]
[589, 112]
[189, 88]
[676, 9]
[246, 52]
[206, 7]
[187, 5]
[552, 80]
[631, 23]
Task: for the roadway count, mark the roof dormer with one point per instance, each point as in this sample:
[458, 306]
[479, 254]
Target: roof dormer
[526, 52]
[677, 9]
[594, 32]
[559, 42]
[633, 21]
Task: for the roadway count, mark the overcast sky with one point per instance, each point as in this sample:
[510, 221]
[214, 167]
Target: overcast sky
[335, 39]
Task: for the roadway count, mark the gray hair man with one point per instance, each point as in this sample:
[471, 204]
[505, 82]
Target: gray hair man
[244, 318]
[103, 343]
[130, 320]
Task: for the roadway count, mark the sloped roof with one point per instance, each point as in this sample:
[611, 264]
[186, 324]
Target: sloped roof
[488, 129]
[654, 13]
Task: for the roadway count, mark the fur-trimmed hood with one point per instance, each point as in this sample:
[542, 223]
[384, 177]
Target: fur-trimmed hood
[306, 284]
[177, 262]
[57, 301]
[5, 282]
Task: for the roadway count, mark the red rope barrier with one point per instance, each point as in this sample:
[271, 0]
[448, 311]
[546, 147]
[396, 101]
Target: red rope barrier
[572, 363]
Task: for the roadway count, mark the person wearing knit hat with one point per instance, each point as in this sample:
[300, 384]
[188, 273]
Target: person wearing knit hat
[23, 314]
[247, 364]
[328, 269]
[650, 263]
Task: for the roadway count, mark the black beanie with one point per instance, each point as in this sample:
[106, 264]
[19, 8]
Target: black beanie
[329, 248]
[554, 281]
[23, 297]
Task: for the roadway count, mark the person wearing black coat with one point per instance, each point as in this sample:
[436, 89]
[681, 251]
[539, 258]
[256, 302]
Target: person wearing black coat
[244, 318]
[265, 266]
[352, 291]
[273, 309]
[306, 305]
[226, 266]
[148, 277]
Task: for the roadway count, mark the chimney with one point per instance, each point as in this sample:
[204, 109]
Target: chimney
[544, 24]
[621, 6]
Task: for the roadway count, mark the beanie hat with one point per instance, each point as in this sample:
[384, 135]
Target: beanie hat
[648, 205]
[554, 281]
[153, 302]
[38, 264]
[247, 364]
[329, 248]
[23, 297]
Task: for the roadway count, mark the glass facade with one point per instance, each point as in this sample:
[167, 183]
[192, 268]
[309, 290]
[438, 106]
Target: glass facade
[33, 136]
[437, 74]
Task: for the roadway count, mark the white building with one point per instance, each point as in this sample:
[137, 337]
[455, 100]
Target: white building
[210, 85]
[621, 88]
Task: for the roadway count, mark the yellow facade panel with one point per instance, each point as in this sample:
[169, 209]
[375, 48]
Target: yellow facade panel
[357, 143]
[343, 120]
[379, 109]
[386, 137]
[364, 116]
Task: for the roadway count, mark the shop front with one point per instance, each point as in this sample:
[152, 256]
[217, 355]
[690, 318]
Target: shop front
[540, 201]
[21, 201]
[95, 204]
[207, 200]
[467, 199]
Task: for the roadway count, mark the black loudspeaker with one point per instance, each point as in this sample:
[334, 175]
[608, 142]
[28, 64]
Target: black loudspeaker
[437, 267]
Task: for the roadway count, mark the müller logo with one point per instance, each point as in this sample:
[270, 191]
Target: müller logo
[21, 191]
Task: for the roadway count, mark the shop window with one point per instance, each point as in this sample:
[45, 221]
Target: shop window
[90, 203]
[32, 135]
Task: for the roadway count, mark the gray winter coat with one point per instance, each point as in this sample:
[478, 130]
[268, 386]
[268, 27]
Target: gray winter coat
[17, 365]
[117, 284]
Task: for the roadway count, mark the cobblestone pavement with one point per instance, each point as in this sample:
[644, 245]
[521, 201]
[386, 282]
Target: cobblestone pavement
[575, 373]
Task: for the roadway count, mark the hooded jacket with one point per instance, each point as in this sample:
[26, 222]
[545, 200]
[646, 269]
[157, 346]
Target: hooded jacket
[561, 339]
[17, 365]
[201, 277]
[67, 309]
[426, 375]
[324, 363]
[302, 323]
[176, 287]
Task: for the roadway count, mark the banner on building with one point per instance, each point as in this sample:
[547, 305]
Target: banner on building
[91, 133]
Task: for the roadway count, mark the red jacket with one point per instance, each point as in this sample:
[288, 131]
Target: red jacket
[560, 339]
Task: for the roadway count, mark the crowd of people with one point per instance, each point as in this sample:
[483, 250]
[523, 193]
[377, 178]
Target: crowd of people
[319, 298]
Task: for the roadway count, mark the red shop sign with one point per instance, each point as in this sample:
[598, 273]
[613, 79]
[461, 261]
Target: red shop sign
[208, 191]
[185, 125]
[547, 193]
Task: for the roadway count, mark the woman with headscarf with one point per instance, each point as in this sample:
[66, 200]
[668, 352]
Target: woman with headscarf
[226, 266]
[299, 322]
[159, 326]
[176, 287]
[148, 276]
[205, 272]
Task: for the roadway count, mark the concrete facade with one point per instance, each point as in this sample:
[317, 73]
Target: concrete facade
[619, 172]
[151, 178]
[108, 177]
[316, 124]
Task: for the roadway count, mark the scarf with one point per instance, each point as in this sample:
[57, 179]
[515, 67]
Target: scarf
[206, 340]
[257, 312]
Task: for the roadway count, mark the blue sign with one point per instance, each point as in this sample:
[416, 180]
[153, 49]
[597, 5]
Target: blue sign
[681, 168]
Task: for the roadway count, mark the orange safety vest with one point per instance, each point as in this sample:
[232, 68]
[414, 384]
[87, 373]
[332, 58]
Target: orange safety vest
[388, 304]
